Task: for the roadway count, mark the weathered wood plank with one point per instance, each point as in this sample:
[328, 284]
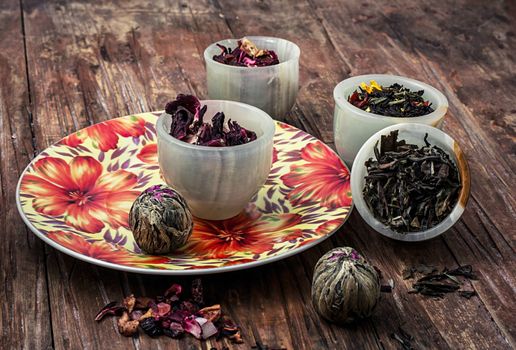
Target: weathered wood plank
[24, 316]
[455, 65]
[88, 63]
[364, 42]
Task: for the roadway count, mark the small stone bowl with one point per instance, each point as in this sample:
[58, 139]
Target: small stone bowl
[353, 126]
[272, 88]
[414, 134]
[217, 182]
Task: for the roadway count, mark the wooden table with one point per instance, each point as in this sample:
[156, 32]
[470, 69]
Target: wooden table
[67, 64]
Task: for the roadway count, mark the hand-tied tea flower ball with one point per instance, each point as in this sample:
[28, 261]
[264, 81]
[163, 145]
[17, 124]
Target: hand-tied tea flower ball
[160, 220]
[345, 288]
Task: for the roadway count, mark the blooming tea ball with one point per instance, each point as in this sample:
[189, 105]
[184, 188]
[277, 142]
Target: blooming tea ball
[160, 220]
[345, 288]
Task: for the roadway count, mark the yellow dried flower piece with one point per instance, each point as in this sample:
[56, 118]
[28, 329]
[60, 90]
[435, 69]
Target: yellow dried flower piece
[374, 86]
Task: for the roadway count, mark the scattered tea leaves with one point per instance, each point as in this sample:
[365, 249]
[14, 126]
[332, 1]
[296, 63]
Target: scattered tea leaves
[438, 284]
[467, 293]
[246, 54]
[410, 188]
[392, 101]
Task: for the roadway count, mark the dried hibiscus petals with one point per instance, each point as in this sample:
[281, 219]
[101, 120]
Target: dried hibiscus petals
[172, 315]
[188, 125]
[246, 54]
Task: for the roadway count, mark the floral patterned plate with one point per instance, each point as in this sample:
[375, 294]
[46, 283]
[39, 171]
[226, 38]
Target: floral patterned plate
[76, 196]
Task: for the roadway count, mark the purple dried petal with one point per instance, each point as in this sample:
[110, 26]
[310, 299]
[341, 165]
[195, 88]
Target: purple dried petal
[109, 309]
[191, 326]
[189, 306]
[175, 330]
[208, 330]
[165, 323]
[179, 315]
[174, 290]
[201, 320]
[188, 102]
[217, 123]
[163, 309]
[136, 314]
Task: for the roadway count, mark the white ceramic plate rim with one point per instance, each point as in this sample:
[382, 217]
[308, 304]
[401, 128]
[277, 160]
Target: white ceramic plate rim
[191, 272]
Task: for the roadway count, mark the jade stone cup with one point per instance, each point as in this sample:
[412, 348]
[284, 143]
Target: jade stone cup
[353, 126]
[412, 133]
[272, 88]
[218, 182]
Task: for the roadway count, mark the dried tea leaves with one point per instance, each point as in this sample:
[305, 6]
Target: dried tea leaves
[435, 284]
[246, 54]
[391, 101]
[188, 125]
[172, 315]
[410, 188]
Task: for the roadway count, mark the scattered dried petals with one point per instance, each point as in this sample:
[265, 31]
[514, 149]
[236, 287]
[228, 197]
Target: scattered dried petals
[169, 315]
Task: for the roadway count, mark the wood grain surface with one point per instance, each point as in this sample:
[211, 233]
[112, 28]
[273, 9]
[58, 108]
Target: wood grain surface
[67, 64]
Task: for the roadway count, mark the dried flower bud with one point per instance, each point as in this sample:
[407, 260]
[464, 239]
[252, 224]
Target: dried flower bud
[161, 220]
[345, 287]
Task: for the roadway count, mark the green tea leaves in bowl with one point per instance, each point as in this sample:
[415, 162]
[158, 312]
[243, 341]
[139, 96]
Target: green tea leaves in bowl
[410, 188]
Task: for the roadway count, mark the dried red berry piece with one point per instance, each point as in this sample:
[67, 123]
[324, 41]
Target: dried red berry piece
[151, 327]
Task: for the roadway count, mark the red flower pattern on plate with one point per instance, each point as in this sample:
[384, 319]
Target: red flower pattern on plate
[104, 136]
[84, 189]
[79, 190]
[102, 251]
[149, 153]
[324, 178]
[250, 231]
[328, 227]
